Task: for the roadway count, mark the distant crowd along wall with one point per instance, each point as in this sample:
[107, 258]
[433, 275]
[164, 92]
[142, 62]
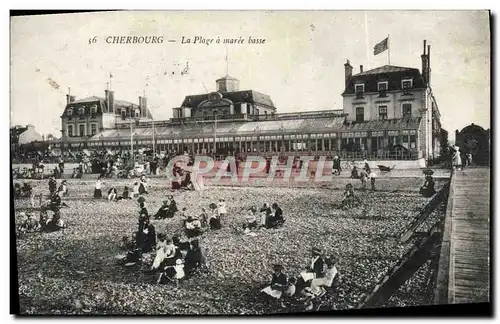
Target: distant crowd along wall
[328, 166]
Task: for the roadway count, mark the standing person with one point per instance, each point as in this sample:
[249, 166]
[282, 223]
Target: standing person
[469, 159]
[221, 208]
[363, 176]
[457, 160]
[63, 188]
[373, 176]
[367, 167]
[98, 188]
[60, 162]
[52, 185]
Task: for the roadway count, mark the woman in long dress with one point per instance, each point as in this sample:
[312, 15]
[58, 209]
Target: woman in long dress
[457, 160]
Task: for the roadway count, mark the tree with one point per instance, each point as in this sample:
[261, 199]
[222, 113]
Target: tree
[445, 145]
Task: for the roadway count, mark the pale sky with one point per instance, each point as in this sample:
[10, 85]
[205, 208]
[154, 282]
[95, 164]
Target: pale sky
[301, 64]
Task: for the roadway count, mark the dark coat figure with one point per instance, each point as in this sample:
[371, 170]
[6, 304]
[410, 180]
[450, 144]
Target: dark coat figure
[428, 190]
[52, 185]
[367, 168]
[54, 224]
[149, 238]
[336, 166]
[181, 246]
[126, 194]
[142, 189]
[276, 219]
[57, 173]
[163, 211]
[214, 223]
[278, 281]
[17, 191]
[354, 173]
[194, 258]
[317, 267]
[55, 203]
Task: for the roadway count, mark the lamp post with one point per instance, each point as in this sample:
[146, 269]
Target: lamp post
[136, 120]
[215, 112]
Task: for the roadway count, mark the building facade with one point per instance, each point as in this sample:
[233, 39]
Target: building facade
[399, 95]
[84, 118]
[388, 112]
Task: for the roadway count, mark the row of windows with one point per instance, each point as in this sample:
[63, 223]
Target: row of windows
[318, 137]
[382, 112]
[81, 111]
[81, 130]
[408, 141]
[383, 86]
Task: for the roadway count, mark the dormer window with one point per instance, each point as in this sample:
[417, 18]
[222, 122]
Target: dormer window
[81, 111]
[93, 111]
[359, 89]
[70, 112]
[382, 88]
[124, 114]
[137, 112]
[406, 85]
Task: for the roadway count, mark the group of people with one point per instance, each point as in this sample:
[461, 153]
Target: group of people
[174, 259]
[140, 187]
[364, 175]
[267, 217]
[310, 285]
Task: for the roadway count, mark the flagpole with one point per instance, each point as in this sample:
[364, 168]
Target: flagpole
[389, 49]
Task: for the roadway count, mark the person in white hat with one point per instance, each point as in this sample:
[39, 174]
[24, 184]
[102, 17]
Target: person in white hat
[457, 160]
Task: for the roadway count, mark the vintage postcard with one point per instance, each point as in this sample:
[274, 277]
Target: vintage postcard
[250, 162]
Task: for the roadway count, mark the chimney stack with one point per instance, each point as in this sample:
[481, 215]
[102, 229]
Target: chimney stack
[429, 64]
[68, 96]
[425, 65]
[348, 72]
[361, 69]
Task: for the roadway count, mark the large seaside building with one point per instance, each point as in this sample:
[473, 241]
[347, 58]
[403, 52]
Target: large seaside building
[388, 112]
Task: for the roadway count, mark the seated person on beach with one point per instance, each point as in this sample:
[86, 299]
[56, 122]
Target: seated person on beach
[143, 185]
[278, 283]
[349, 197]
[428, 190]
[135, 189]
[163, 211]
[192, 227]
[63, 189]
[125, 195]
[112, 194]
[318, 284]
[276, 218]
[214, 220]
[203, 218]
[172, 273]
[251, 221]
[314, 269]
[54, 224]
[165, 254]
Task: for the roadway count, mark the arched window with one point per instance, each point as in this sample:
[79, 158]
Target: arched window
[81, 111]
[70, 130]
[70, 112]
